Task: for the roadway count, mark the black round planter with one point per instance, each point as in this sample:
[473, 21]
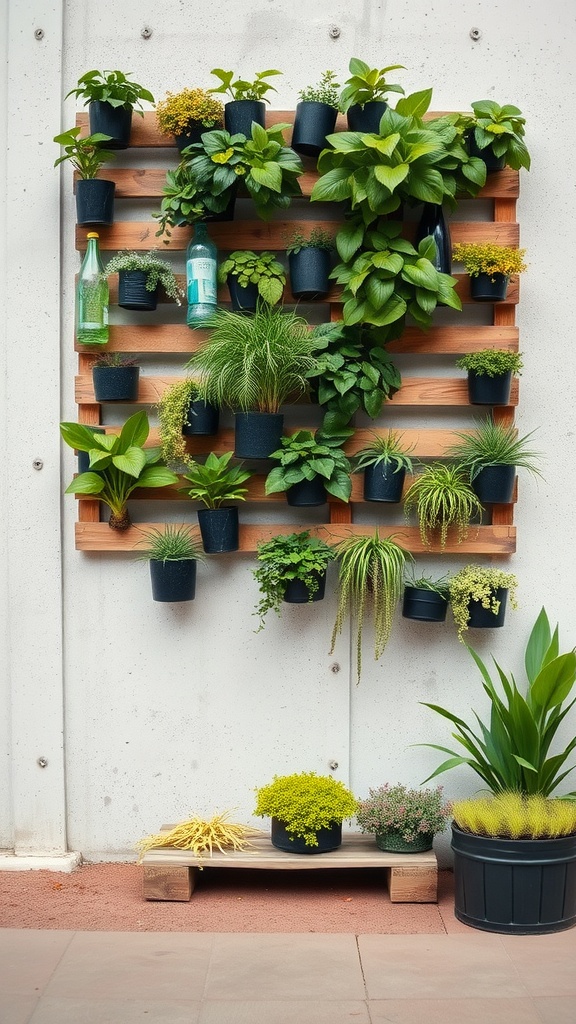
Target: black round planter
[94, 201]
[485, 390]
[514, 886]
[194, 134]
[312, 123]
[381, 483]
[84, 457]
[494, 485]
[307, 493]
[257, 434]
[433, 222]
[132, 292]
[115, 383]
[173, 580]
[239, 115]
[201, 418]
[244, 300]
[424, 605]
[309, 270]
[328, 839]
[489, 287]
[484, 618]
[297, 592]
[219, 529]
[366, 118]
[493, 163]
[113, 121]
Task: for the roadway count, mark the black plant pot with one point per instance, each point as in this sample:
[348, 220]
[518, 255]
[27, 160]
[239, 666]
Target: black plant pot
[83, 457]
[94, 201]
[381, 483]
[173, 580]
[485, 390]
[514, 886]
[239, 115]
[297, 592]
[484, 618]
[309, 270]
[307, 493]
[489, 287]
[328, 839]
[433, 222]
[312, 123]
[244, 300]
[115, 383]
[366, 118]
[257, 434]
[493, 163]
[494, 485]
[113, 121]
[194, 134]
[132, 292]
[219, 529]
[201, 419]
[227, 214]
[424, 605]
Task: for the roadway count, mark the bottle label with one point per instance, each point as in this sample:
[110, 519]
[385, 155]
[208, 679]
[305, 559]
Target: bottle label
[201, 281]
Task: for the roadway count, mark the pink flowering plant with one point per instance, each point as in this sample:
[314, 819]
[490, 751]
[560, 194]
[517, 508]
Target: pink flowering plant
[408, 812]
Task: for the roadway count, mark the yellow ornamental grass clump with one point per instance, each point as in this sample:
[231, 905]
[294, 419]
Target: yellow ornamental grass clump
[512, 815]
[202, 836]
[178, 111]
[489, 258]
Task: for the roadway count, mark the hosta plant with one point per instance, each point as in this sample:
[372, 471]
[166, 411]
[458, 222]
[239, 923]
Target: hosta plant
[514, 749]
[261, 269]
[305, 803]
[171, 544]
[215, 481]
[287, 557]
[305, 455]
[442, 498]
[478, 583]
[408, 812]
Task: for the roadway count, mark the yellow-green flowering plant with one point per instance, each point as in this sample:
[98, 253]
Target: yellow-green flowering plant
[305, 803]
[513, 815]
[178, 111]
[489, 258]
[478, 583]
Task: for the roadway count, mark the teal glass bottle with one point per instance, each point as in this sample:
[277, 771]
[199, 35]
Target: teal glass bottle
[201, 277]
[92, 297]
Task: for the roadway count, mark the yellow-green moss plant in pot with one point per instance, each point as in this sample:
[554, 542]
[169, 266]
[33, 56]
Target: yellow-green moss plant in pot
[307, 811]
[489, 267]
[403, 820]
[184, 412]
[490, 373]
[188, 114]
[478, 597]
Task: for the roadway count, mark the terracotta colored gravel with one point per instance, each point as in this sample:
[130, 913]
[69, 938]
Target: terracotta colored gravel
[108, 897]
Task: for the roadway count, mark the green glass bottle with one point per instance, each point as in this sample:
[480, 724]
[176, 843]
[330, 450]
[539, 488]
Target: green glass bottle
[201, 277]
[92, 297]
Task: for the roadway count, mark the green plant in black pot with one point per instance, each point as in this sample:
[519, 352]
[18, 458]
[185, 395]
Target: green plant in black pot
[305, 458]
[111, 98]
[94, 195]
[442, 497]
[490, 454]
[315, 115]
[244, 89]
[186, 201]
[363, 97]
[478, 597]
[309, 808]
[384, 462]
[490, 374]
[426, 599]
[309, 261]
[115, 378]
[250, 276]
[496, 134]
[291, 567]
[173, 553]
[403, 820]
[215, 483]
[183, 410]
[489, 267]
[148, 269]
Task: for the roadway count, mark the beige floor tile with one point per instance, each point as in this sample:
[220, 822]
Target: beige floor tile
[16, 1008]
[307, 1011]
[29, 957]
[437, 967]
[454, 1011]
[128, 965]
[556, 1009]
[287, 966]
[114, 1011]
[546, 964]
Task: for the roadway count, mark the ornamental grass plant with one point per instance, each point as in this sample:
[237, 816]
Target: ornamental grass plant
[305, 803]
[493, 444]
[442, 498]
[513, 815]
[408, 812]
[172, 544]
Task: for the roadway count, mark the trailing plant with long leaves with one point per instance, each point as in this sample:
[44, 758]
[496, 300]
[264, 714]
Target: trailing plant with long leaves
[287, 557]
[371, 574]
[255, 362]
[118, 465]
[172, 412]
[513, 750]
[216, 481]
[442, 497]
[305, 456]
[493, 444]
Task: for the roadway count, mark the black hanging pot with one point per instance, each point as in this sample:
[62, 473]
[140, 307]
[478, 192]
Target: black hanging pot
[328, 839]
[173, 580]
[115, 383]
[489, 287]
[484, 618]
[493, 163]
[367, 118]
[219, 529]
[193, 134]
[202, 418]
[381, 483]
[312, 123]
[132, 292]
[94, 201]
[494, 485]
[113, 121]
[514, 886]
[433, 222]
[424, 605]
[485, 390]
[297, 592]
[307, 493]
[239, 115]
[257, 434]
[84, 457]
[244, 299]
[309, 270]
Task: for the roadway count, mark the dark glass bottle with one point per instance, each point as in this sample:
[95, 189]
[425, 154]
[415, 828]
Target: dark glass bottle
[432, 222]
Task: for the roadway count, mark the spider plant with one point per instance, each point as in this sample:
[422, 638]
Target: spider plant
[371, 576]
[442, 497]
[255, 363]
[493, 444]
[384, 449]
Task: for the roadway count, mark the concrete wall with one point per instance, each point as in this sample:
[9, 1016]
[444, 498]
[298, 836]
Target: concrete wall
[144, 712]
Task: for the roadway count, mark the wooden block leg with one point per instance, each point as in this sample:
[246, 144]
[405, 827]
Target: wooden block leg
[413, 884]
[169, 883]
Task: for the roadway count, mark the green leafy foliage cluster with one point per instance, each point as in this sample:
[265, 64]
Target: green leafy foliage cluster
[408, 812]
[157, 271]
[305, 802]
[439, 586]
[172, 544]
[502, 130]
[287, 557]
[261, 269]
[367, 84]
[216, 481]
[384, 449]
[326, 91]
[243, 89]
[178, 111]
[478, 583]
[493, 444]
[491, 362]
[442, 498]
[113, 87]
[512, 751]
[85, 154]
[305, 455]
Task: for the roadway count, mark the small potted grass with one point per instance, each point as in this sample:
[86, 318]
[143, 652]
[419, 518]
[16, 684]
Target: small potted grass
[307, 811]
[309, 263]
[490, 373]
[251, 277]
[115, 378]
[173, 554]
[426, 599]
[489, 267]
[490, 455]
[384, 462]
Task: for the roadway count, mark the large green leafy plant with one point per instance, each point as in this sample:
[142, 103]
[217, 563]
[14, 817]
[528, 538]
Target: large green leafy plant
[366, 84]
[512, 751]
[215, 481]
[305, 456]
[287, 557]
[118, 465]
[500, 129]
[113, 87]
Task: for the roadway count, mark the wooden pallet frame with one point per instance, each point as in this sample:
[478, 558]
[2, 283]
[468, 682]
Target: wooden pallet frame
[498, 538]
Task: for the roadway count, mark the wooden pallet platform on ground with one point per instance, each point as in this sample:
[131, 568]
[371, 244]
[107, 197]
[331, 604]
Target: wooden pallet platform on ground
[171, 874]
